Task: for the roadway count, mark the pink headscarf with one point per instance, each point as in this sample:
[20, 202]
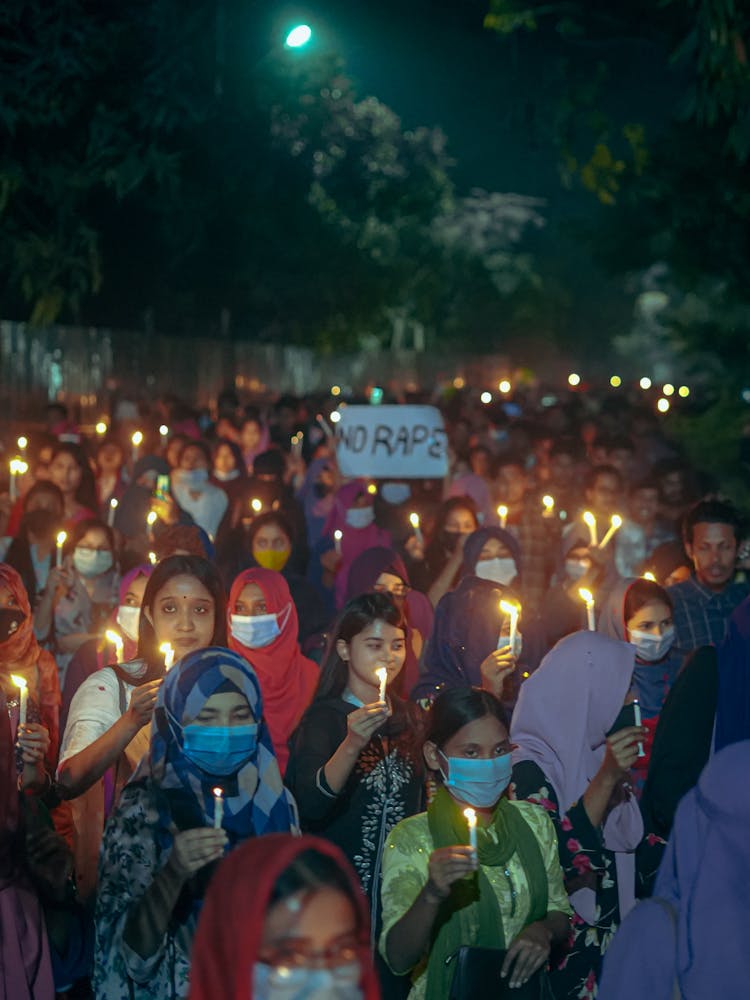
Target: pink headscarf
[560, 723]
[355, 540]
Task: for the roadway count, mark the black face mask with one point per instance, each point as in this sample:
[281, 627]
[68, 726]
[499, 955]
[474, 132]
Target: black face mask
[321, 490]
[11, 620]
[41, 523]
[449, 540]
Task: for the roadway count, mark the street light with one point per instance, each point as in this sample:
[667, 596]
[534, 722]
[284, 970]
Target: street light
[299, 35]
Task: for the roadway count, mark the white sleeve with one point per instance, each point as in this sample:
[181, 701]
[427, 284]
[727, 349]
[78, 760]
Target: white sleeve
[95, 708]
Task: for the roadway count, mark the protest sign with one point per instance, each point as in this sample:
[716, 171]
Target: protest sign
[392, 442]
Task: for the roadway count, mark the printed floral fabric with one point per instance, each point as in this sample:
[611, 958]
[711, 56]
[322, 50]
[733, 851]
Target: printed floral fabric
[405, 871]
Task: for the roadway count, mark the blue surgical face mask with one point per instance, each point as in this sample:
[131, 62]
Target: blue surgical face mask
[92, 562]
[395, 493]
[227, 477]
[652, 648]
[306, 983]
[502, 571]
[504, 640]
[360, 517]
[192, 478]
[576, 568]
[219, 750]
[257, 631]
[479, 783]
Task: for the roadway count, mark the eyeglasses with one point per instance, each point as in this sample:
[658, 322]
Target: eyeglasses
[400, 591]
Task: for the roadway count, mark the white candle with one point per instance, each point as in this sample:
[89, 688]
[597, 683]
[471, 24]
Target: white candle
[588, 597]
[113, 505]
[152, 558]
[256, 505]
[337, 539]
[116, 639]
[382, 675]
[151, 518]
[414, 522]
[218, 808]
[512, 611]
[502, 513]
[614, 525]
[136, 440]
[590, 520]
[297, 440]
[649, 576]
[62, 537]
[471, 819]
[23, 697]
[101, 428]
[23, 444]
[549, 506]
[638, 722]
[325, 425]
[13, 487]
[166, 649]
[163, 435]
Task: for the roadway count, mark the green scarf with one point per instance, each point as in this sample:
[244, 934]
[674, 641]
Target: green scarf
[471, 914]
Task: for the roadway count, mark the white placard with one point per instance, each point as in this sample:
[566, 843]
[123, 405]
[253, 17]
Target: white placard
[392, 442]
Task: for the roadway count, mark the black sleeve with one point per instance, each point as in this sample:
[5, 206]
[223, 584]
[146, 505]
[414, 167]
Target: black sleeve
[317, 738]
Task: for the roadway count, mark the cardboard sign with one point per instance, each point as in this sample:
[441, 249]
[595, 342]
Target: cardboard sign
[392, 442]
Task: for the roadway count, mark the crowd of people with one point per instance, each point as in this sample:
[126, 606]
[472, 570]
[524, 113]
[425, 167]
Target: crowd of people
[268, 731]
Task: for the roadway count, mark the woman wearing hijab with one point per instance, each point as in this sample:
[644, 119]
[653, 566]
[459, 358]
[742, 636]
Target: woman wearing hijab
[130, 516]
[440, 570]
[316, 495]
[687, 941]
[353, 514]
[162, 840]
[707, 709]
[293, 901]
[383, 571]
[196, 495]
[468, 620]
[32, 551]
[567, 763]
[262, 623]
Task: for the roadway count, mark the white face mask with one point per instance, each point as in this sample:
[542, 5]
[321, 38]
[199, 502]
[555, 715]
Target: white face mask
[360, 517]
[502, 571]
[226, 477]
[92, 562]
[504, 641]
[128, 619]
[652, 648]
[304, 983]
[258, 631]
[576, 568]
[395, 493]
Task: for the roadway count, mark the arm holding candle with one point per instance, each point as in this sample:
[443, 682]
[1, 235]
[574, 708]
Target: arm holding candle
[362, 724]
[496, 668]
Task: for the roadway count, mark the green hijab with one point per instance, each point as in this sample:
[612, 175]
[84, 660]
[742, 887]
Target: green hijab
[471, 914]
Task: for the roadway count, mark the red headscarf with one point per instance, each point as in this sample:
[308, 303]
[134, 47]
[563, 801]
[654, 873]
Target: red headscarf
[22, 654]
[287, 678]
[225, 951]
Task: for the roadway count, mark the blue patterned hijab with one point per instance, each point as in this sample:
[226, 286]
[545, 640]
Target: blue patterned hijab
[255, 800]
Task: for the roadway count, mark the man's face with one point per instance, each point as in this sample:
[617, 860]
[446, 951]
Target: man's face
[562, 469]
[714, 553]
[671, 487]
[644, 505]
[604, 496]
[512, 482]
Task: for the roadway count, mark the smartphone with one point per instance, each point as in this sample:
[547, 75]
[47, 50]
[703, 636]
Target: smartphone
[162, 487]
[625, 718]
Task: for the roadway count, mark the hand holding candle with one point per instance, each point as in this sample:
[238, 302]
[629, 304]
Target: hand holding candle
[218, 808]
[23, 697]
[614, 525]
[471, 819]
[116, 639]
[382, 675]
[548, 502]
[414, 522]
[512, 611]
[502, 513]
[590, 521]
[62, 537]
[168, 652]
[588, 597]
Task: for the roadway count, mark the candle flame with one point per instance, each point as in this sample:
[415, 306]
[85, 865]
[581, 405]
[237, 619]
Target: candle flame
[589, 519]
[166, 649]
[163, 430]
[62, 537]
[471, 817]
[649, 576]
[372, 489]
[508, 608]
[114, 637]
[548, 501]
[218, 793]
[101, 427]
[502, 511]
[414, 519]
[256, 505]
[20, 682]
[382, 674]
[137, 439]
[114, 503]
[616, 521]
[151, 518]
[23, 442]
[152, 558]
[586, 595]
[338, 534]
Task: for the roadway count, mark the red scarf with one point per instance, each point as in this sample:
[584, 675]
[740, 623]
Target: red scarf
[287, 678]
[22, 654]
[230, 929]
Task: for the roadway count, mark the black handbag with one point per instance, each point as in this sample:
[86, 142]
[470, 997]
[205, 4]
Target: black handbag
[477, 974]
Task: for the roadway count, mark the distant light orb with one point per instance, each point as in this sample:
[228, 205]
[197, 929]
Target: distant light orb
[663, 405]
[486, 397]
[299, 35]
[645, 382]
[458, 382]
[615, 381]
[668, 389]
[574, 379]
[101, 427]
[335, 417]
[335, 390]
[505, 386]
[683, 391]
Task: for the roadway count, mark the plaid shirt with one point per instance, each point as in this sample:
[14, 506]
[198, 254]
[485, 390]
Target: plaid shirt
[700, 614]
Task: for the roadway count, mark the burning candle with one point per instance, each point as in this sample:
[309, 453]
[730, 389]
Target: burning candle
[62, 537]
[23, 444]
[113, 505]
[502, 513]
[256, 505]
[297, 440]
[152, 558]
[23, 697]
[588, 597]
[101, 428]
[590, 521]
[649, 576]
[116, 639]
[512, 611]
[151, 518]
[414, 522]
[324, 424]
[13, 486]
[614, 525]
[471, 819]
[638, 722]
[136, 440]
[382, 674]
[166, 649]
[218, 808]
[548, 503]
[163, 435]
[337, 539]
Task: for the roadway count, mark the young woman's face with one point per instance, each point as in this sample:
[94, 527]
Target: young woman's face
[271, 538]
[110, 458]
[95, 539]
[377, 645]
[461, 521]
[313, 929]
[224, 460]
[250, 435]
[225, 709]
[134, 594]
[7, 600]
[65, 473]
[482, 739]
[193, 458]
[654, 618]
[493, 548]
[251, 601]
[183, 614]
